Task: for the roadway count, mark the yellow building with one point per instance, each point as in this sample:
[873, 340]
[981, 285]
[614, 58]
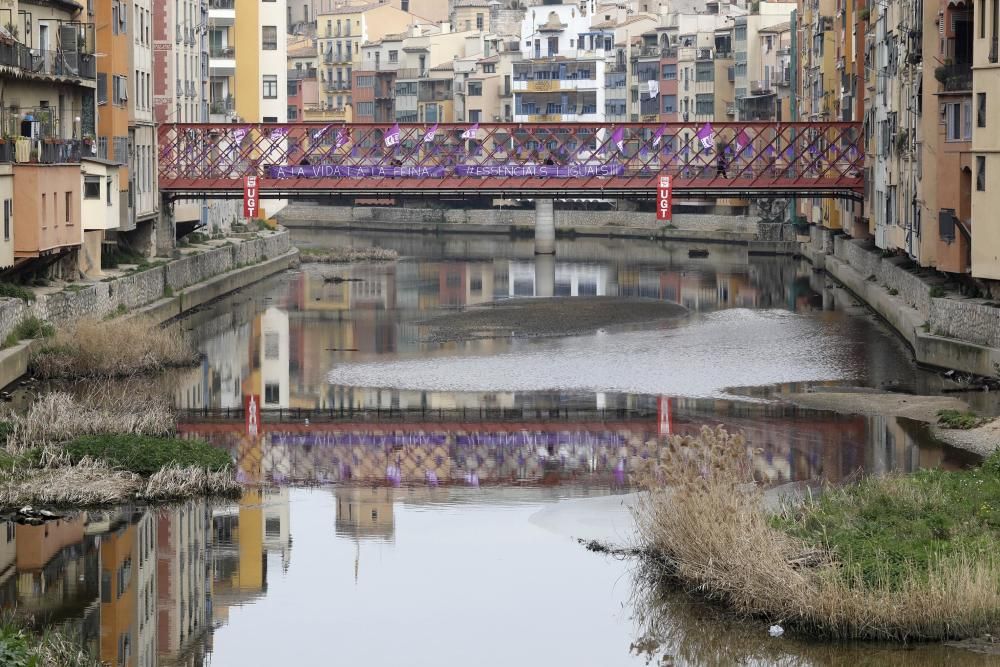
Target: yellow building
[986, 145]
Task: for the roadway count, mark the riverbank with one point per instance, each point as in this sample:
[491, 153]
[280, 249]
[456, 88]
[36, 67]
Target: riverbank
[943, 329]
[982, 440]
[758, 237]
[898, 558]
[161, 291]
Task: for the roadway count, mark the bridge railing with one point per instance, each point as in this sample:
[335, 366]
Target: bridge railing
[516, 156]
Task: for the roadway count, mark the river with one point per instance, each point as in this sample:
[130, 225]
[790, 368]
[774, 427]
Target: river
[420, 499]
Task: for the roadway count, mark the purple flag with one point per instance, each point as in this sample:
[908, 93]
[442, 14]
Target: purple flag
[392, 136]
[279, 133]
[238, 134]
[769, 151]
[789, 154]
[658, 135]
[343, 136]
[742, 140]
[429, 134]
[470, 133]
[318, 134]
[706, 136]
[618, 139]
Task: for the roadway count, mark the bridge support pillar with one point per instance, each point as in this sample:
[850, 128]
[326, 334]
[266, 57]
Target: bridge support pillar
[545, 227]
[545, 275]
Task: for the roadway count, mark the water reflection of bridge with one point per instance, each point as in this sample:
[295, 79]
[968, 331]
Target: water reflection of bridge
[787, 444]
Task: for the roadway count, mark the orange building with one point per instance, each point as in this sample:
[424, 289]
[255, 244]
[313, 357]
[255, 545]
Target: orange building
[46, 209]
[118, 597]
[112, 20]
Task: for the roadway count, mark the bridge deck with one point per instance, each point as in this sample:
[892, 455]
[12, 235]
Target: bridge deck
[310, 159]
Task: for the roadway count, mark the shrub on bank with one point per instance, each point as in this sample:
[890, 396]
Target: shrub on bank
[20, 647]
[897, 558]
[346, 255]
[147, 455]
[116, 348]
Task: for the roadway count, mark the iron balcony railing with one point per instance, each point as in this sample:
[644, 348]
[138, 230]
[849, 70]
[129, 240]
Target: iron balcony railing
[954, 78]
[46, 151]
[49, 63]
[216, 51]
[222, 4]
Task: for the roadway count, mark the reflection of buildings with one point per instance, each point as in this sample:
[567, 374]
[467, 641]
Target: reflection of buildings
[184, 583]
[274, 358]
[118, 595]
[364, 513]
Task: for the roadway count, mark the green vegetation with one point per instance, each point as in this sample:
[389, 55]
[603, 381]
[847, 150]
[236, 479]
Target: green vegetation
[168, 291]
[27, 329]
[893, 291]
[957, 419]
[13, 291]
[146, 455]
[20, 647]
[937, 292]
[887, 532]
[904, 558]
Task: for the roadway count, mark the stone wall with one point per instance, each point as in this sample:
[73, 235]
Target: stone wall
[196, 268]
[518, 217]
[869, 263]
[966, 319]
[138, 289]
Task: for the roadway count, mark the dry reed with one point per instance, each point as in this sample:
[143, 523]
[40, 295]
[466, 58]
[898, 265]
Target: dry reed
[704, 520]
[57, 417]
[346, 255]
[86, 484]
[112, 348]
[175, 482]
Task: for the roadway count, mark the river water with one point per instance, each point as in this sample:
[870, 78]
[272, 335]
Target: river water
[420, 501]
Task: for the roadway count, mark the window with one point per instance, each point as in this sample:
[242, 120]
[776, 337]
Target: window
[293, 113]
[272, 394]
[109, 184]
[669, 103]
[293, 88]
[8, 213]
[980, 173]
[489, 68]
[269, 38]
[704, 71]
[270, 87]
[475, 115]
[91, 187]
[967, 120]
[475, 89]
[69, 208]
[980, 109]
[119, 86]
[269, 119]
[102, 88]
[704, 104]
[404, 5]
[366, 108]
[365, 82]
[479, 21]
[953, 122]
[393, 56]
[670, 72]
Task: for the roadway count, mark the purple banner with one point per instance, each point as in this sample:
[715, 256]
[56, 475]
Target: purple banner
[350, 171]
[540, 170]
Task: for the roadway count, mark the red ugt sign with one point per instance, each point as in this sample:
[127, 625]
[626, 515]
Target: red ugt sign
[663, 199]
[250, 197]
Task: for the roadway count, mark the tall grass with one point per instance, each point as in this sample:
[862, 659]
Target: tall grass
[58, 417]
[704, 521]
[19, 646]
[114, 348]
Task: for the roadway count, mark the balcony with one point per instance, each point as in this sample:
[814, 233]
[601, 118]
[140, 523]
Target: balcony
[761, 87]
[49, 150]
[300, 74]
[954, 78]
[435, 95]
[222, 4]
[59, 63]
[223, 106]
[411, 73]
[335, 86]
[221, 52]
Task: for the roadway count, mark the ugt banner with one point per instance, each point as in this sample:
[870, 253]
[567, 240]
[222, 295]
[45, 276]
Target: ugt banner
[663, 199]
[250, 197]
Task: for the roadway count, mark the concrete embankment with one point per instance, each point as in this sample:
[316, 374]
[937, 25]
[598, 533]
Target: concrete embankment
[759, 237]
[944, 330]
[160, 293]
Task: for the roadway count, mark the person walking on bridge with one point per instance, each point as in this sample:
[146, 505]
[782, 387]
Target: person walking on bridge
[722, 165]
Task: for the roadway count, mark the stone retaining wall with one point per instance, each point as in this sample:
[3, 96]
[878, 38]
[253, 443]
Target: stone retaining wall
[966, 319]
[518, 217]
[138, 289]
[869, 262]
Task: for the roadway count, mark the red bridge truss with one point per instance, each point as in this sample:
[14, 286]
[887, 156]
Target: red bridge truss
[513, 159]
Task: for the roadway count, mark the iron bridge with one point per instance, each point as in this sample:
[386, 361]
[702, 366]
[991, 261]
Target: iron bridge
[523, 160]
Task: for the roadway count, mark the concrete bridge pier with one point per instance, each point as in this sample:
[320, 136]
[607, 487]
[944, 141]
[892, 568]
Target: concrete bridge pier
[545, 227]
[545, 275]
